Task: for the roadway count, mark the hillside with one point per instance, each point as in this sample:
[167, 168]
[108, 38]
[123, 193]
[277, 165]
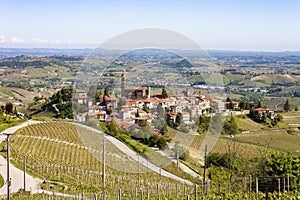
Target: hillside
[275, 78]
[71, 155]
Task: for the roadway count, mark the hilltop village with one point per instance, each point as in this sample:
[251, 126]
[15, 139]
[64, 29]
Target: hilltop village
[139, 105]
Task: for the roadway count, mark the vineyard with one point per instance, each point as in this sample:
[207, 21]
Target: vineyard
[225, 145]
[69, 156]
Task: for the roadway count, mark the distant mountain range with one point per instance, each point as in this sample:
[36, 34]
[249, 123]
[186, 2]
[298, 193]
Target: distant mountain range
[9, 52]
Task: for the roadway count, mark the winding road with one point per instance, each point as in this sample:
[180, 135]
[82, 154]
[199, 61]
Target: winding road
[16, 174]
[32, 183]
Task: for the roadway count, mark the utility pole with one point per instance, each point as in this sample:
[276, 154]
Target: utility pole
[138, 169]
[103, 170]
[177, 158]
[205, 164]
[24, 172]
[8, 163]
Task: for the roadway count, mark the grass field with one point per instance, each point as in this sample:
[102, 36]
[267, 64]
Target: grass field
[226, 145]
[247, 124]
[292, 118]
[275, 78]
[273, 139]
[256, 140]
[277, 103]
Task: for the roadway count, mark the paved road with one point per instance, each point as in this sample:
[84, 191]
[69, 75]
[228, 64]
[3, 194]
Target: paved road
[15, 173]
[32, 183]
[126, 150]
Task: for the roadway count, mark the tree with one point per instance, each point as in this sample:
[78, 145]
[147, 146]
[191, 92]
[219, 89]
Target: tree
[8, 108]
[203, 124]
[296, 108]
[161, 143]
[259, 104]
[2, 109]
[230, 127]
[114, 128]
[106, 91]
[243, 104]
[264, 117]
[231, 106]
[164, 130]
[164, 93]
[137, 114]
[181, 152]
[178, 119]
[97, 95]
[286, 106]
[279, 117]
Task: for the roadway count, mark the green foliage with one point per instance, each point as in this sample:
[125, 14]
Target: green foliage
[178, 120]
[146, 109]
[226, 160]
[204, 123]
[106, 91]
[181, 152]
[103, 127]
[158, 123]
[216, 173]
[279, 117]
[286, 106]
[1, 181]
[164, 130]
[230, 127]
[280, 164]
[161, 143]
[60, 103]
[8, 108]
[114, 128]
[164, 93]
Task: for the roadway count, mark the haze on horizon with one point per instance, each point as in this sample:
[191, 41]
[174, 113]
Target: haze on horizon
[270, 25]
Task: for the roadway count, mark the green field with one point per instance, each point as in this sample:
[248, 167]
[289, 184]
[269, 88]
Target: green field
[277, 103]
[256, 138]
[273, 139]
[292, 118]
[275, 78]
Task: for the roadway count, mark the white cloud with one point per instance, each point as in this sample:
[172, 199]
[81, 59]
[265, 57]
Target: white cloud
[16, 40]
[2, 39]
[37, 40]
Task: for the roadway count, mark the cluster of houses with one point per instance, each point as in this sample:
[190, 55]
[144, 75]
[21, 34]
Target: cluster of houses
[138, 101]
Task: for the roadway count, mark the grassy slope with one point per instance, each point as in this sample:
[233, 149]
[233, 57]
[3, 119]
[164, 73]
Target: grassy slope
[257, 140]
[274, 78]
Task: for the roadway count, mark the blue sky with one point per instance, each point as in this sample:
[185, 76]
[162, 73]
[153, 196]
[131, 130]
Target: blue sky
[265, 25]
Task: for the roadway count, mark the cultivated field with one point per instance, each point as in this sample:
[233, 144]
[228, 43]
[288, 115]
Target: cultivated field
[71, 155]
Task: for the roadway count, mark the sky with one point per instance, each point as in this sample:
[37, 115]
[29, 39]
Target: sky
[250, 25]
